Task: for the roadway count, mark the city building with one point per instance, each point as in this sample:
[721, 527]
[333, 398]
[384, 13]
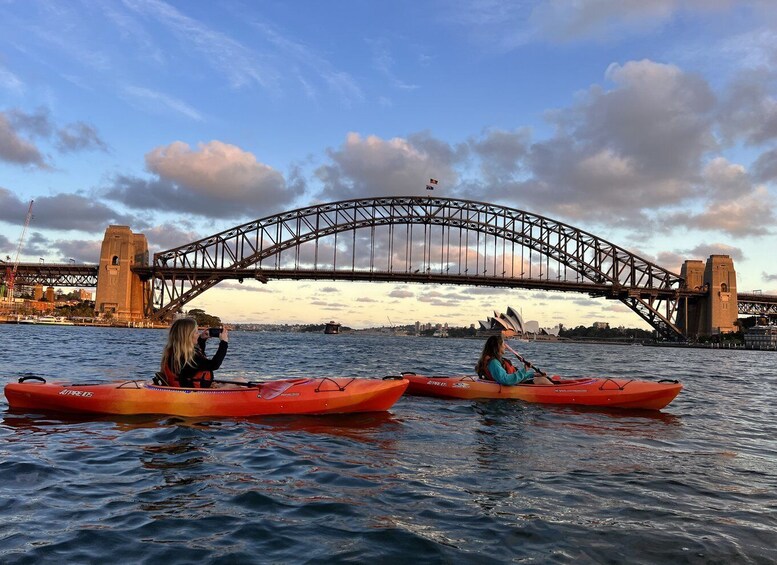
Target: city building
[761, 337]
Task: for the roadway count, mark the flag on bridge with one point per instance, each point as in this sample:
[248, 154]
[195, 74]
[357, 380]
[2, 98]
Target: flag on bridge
[431, 184]
[429, 187]
[432, 181]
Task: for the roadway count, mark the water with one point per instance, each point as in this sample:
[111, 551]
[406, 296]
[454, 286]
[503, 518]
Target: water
[434, 481]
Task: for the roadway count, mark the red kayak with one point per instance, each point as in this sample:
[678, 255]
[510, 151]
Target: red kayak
[322, 395]
[606, 392]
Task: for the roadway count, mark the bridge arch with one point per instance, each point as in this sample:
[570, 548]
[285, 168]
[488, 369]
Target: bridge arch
[450, 241]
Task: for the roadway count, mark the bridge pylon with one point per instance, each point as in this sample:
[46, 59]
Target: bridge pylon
[120, 292]
[717, 310]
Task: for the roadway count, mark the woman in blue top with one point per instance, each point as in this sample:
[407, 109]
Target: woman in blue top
[492, 366]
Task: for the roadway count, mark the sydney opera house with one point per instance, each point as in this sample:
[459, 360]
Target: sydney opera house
[511, 324]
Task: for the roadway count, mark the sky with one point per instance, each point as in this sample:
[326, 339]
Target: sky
[650, 124]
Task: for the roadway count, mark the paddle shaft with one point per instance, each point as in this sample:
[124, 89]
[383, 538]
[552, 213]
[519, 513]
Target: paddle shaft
[241, 383]
[523, 360]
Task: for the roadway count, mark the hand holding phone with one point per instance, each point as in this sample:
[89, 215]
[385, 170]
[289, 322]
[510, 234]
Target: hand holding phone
[214, 332]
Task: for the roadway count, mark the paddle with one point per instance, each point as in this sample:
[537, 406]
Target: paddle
[270, 389]
[527, 363]
[248, 384]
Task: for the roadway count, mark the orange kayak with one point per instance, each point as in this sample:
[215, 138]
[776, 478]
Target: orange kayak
[323, 395]
[615, 393]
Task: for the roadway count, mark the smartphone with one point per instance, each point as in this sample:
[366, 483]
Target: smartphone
[214, 332]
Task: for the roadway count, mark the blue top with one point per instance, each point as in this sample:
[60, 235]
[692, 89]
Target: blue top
[504, 378]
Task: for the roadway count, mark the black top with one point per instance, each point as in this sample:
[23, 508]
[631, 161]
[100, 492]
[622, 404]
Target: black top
[201, 362]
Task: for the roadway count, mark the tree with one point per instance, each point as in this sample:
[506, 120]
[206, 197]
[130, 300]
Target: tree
[204, 320]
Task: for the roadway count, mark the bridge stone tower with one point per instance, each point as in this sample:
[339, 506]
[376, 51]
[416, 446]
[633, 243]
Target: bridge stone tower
[717, 312]
[722, 280]
[120, 291]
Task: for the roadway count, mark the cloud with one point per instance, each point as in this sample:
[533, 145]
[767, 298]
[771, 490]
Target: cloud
[214, 180]
[169, 235]
[748, 112]
[79, 136]
[10, 82]
[247, 287]
[723, 180]
[769, 278]
[156, 102]
[38, 123]
[504, 26]
[7, 248]
[14, 149]
[373, 166]
[672, 261]
[35, 245]
[705, 250]
[752, 214]
[765, 166]
[502, 153]
[383, 61]
[222, 53]
[61, 212]
[305, 62]
[561, 21]
[399, 293]
[81, 250]
[617, 155]
[329, 289]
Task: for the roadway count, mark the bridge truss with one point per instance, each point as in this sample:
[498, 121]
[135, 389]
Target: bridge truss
[56, 274]
[418, 239]
[756, 304]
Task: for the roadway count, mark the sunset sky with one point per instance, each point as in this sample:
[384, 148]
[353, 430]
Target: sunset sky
[650, 124]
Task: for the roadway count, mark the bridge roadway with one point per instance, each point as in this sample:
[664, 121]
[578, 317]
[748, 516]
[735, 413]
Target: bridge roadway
[85, 275]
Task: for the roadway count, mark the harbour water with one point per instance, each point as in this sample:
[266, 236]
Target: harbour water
[431, 481]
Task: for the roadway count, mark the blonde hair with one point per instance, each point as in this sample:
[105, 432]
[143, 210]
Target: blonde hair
[179, 350]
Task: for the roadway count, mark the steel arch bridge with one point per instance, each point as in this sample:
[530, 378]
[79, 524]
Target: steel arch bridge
[418, 239]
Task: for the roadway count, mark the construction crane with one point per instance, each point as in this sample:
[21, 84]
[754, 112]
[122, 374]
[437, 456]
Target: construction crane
[11, 271]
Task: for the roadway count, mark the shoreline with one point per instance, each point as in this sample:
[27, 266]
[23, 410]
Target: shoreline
[593, 341]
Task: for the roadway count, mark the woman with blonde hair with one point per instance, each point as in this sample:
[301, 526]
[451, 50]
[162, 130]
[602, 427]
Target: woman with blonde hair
[184, 363]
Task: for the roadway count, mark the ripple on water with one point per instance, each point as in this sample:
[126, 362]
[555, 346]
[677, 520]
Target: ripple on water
[436, 481]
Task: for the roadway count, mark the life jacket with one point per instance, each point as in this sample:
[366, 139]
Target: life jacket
[201, 379]
[486, 374]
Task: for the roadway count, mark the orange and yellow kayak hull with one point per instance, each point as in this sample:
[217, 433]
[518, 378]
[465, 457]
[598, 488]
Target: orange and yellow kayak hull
[325, 395]
[614, 393]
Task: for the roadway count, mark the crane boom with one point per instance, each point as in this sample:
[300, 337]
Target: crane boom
[12, 274]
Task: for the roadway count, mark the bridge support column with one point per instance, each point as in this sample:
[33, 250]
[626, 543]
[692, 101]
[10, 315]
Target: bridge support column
[721, 279]
[691, 313]
[120, 292]
[717, 312]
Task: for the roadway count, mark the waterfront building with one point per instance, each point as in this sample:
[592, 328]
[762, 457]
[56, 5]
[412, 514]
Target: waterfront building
[511, 324]
[761, 337]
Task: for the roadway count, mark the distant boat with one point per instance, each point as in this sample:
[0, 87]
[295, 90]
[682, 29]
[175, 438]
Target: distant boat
[47, 320]
[332, 328]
